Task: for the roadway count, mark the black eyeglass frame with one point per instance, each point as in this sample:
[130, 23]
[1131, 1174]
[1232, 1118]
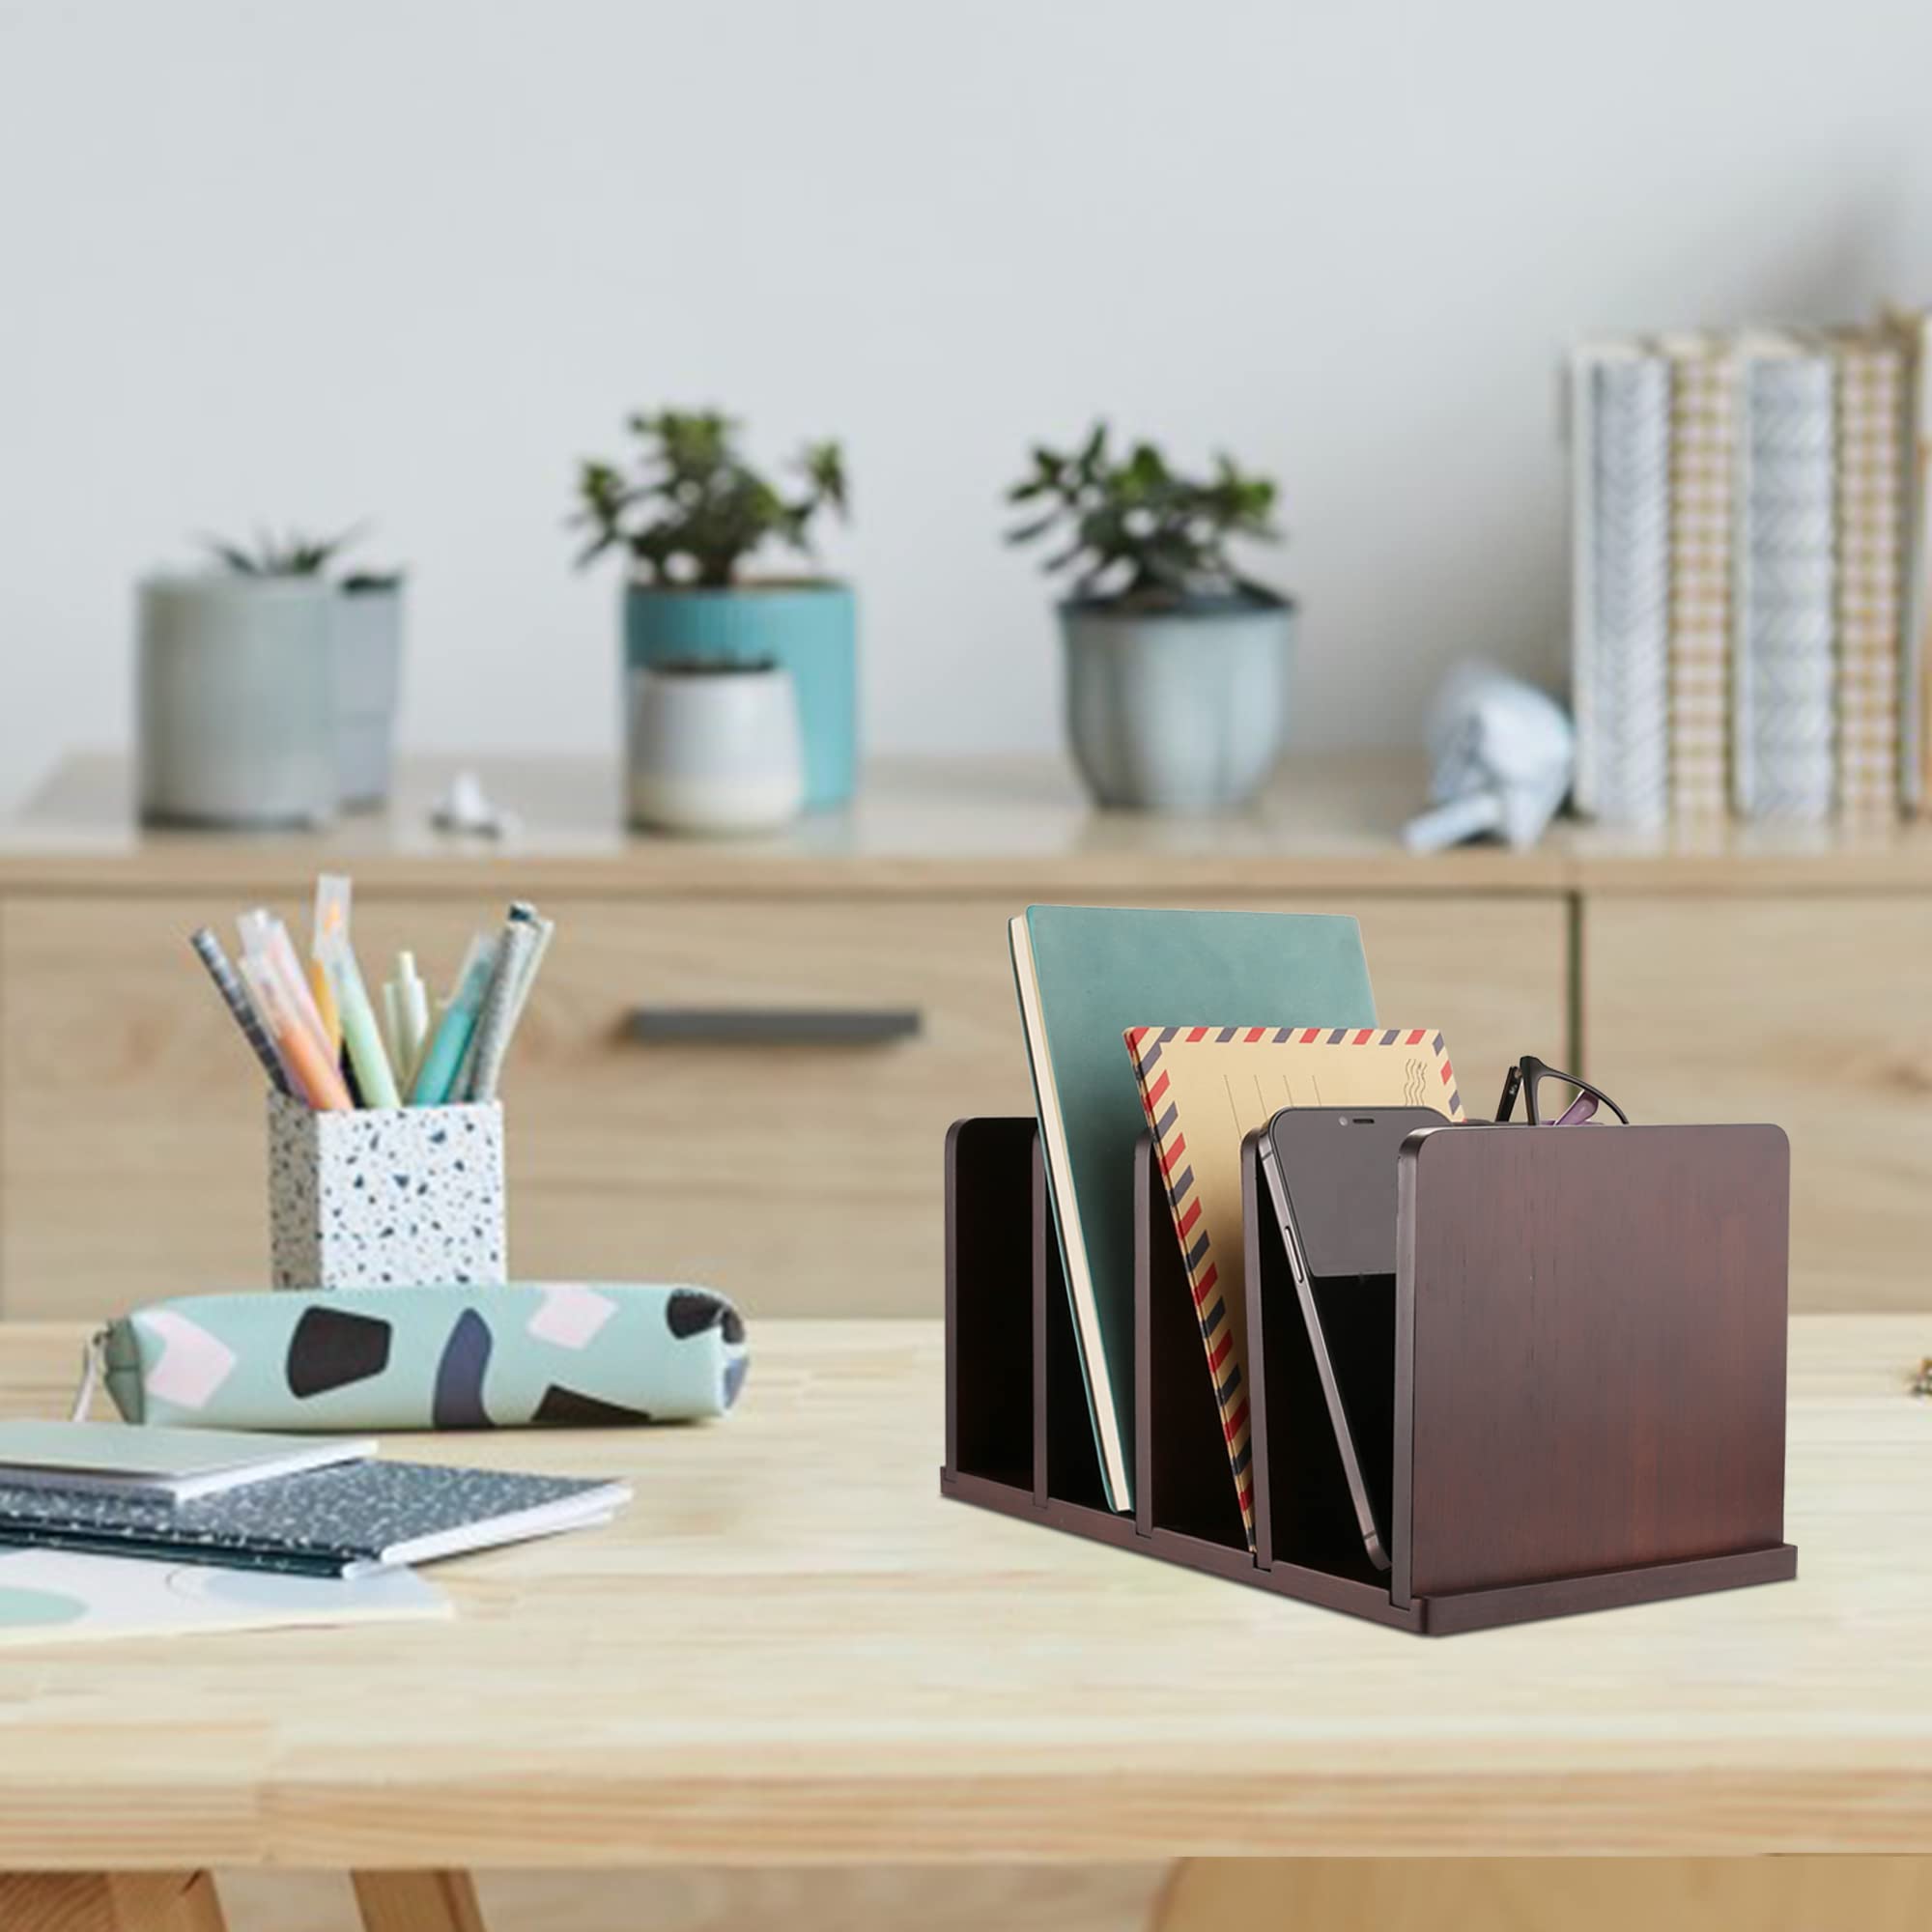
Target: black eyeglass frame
[1524, 1077]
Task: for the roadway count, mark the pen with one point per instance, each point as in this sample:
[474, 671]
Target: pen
[208, 949]
[526, 917]
[360, 1033]
[324, 996]
[521, 909]
[519, 941]
[263, 934]
[518, 974]
[442, 1057]
[316, 1077]
[412, 1016]
[391, 1017]
[326, 912]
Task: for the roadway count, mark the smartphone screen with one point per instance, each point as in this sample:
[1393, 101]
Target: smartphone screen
[1332, 1176]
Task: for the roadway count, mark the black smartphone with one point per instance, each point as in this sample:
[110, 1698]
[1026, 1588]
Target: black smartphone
[1332, 1180]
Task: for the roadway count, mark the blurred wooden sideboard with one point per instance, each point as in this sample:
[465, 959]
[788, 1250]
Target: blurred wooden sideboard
[741, 1059]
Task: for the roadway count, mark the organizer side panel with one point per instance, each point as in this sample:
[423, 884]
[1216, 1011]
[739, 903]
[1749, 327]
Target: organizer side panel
[1598, 1324]
[1186, 1482]
[989, 1280]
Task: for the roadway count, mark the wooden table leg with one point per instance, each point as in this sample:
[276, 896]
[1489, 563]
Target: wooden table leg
[434, 1901]
[1769, 1894]
[108, 1902]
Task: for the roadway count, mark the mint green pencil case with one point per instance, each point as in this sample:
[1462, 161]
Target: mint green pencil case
[583, 1355]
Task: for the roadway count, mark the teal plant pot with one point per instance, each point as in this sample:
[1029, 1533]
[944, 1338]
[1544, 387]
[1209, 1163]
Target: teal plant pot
[1177, 711]
[810, 629]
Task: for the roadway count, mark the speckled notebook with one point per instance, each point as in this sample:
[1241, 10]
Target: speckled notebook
[333, 1523]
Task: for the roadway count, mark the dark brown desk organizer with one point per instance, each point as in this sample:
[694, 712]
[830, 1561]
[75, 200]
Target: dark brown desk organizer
[1565, 1438]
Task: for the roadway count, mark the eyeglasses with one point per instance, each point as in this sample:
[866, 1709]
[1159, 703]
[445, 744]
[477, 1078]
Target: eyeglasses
[1552, 1099]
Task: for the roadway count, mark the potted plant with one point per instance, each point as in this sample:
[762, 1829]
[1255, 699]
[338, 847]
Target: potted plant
[235, 697]
[1176, 663]
[367, 645]
[715, 746]
[266, 691]
[691, 516]
[368, 683]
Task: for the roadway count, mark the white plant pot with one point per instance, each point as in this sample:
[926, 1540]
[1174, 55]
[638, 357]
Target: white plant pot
[235, 705]
[368, 674]
[714, 747]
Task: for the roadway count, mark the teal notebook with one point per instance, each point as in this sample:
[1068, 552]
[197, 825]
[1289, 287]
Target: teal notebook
[1085, 974]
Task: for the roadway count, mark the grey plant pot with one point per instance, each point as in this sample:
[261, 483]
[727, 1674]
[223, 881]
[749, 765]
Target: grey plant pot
[368, 677]
[235, 702]
[1177, 711]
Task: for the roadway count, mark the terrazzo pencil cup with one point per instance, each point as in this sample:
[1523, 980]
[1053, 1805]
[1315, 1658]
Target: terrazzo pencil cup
[388, 1197]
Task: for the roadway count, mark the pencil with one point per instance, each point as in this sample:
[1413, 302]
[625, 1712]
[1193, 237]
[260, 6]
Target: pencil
[208, 949]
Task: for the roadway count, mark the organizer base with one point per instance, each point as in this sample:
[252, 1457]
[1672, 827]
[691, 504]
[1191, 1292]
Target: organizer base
[1426, 1616]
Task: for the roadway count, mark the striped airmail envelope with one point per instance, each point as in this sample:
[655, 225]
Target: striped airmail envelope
[1204, 1088]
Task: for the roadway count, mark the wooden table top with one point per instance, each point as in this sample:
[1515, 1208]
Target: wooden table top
[791, 1650]
[1016, 826]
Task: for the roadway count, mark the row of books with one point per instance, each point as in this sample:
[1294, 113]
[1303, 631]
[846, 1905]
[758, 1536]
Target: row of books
[1752, 532]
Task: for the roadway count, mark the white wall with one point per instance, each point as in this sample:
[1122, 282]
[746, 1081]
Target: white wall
[411, 257]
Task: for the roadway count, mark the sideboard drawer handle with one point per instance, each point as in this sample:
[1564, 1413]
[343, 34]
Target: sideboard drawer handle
[775, 1026]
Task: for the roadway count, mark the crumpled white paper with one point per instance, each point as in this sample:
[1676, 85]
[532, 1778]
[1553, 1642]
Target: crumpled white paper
[466, 807]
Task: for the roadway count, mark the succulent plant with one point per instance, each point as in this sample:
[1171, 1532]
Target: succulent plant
[294, 555]
[1139, 533]
[693, 509]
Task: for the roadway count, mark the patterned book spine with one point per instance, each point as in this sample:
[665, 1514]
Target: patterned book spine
[1703, 423]
[1580, 418]
[1912, 331]
[1871, 585]
[1785, 731]
[1628, 661]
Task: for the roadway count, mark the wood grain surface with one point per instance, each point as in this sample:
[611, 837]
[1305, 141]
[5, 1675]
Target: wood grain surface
[791, 1650]
[417, 1901]
[1534, 1895]
[1704, 966]
[799, 1179]
[1811, 1014]
[1017, 827]
[1590, 1351]
[1002, 824]
[109, 1902]
[799, 1898]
